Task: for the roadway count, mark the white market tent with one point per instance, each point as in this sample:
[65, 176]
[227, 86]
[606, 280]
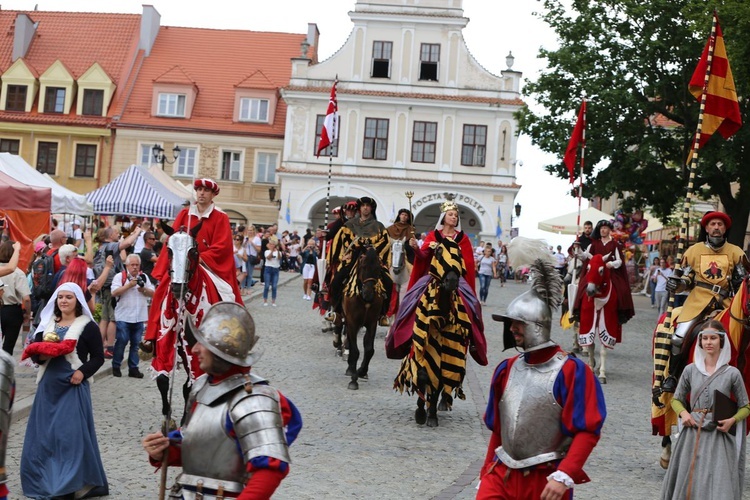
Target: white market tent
[64, 201]
[170, 183]
[566, 224]
[136, 193]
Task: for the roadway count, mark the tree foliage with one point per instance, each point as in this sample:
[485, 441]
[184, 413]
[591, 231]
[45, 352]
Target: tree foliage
[633, 60]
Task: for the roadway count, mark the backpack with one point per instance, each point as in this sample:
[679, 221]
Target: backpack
[42, 275]
[100, 259]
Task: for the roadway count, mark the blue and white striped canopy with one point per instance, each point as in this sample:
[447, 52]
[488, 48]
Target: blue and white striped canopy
[136, 193]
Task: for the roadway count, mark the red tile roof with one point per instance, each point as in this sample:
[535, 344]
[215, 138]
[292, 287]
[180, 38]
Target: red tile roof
[321, 173]
[77, 39]
[409, 95]
[217, 62]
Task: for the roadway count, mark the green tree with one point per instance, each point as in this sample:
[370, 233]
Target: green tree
[633, 60]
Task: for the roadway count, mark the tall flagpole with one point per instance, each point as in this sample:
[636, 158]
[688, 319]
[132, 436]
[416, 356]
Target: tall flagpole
[580, 176]
[663, 341]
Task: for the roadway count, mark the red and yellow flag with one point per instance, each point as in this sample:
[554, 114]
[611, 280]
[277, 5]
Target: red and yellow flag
[722, 111]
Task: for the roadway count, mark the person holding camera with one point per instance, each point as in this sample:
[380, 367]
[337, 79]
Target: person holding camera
[131, 288]
[659, 279]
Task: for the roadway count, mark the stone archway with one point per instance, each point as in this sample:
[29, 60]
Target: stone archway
[318, 211]
[426, 220]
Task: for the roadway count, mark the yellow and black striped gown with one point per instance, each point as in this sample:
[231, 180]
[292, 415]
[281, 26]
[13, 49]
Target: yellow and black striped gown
[440, 337]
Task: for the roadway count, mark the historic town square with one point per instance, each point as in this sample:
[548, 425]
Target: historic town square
[351, 249]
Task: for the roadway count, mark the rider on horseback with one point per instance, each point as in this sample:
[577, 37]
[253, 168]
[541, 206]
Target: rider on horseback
[347, 245]
[712, 270]
[403, 228]
[603, 244]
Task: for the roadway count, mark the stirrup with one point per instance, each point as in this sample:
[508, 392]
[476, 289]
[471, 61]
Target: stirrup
[330, 316]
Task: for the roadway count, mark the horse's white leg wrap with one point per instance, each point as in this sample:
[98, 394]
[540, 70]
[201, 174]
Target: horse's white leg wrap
[603, 362]
[592, 353]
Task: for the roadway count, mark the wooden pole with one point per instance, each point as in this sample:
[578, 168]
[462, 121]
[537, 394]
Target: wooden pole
[663, 340]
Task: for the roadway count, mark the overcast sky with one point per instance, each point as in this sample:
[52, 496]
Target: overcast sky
[494, 29]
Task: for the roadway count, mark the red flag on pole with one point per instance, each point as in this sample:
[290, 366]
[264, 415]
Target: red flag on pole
[330, 131]
[577, 138]
[722, 111]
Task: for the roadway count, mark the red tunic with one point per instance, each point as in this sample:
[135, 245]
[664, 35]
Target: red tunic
[214, 281]
[619, 276]
[423, 257]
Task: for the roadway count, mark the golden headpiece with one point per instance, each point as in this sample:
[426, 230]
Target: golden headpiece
[448, 205]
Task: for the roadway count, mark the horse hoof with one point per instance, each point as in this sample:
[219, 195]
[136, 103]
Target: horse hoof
[349, 372]
[362, 374]
[353, 386]
[442, 405]
[602, 380]
[339, 352]
[420, 416]
[337, 345]
[432, 422]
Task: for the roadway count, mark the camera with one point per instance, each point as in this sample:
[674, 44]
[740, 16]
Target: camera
[140, 281]
[108, 253]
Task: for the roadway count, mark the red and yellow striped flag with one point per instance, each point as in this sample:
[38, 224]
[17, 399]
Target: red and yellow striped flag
[722, 111]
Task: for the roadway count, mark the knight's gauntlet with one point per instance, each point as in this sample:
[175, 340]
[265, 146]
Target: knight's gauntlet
[738, 274]
[677, 284]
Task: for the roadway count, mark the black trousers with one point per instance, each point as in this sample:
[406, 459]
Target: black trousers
[11, 320]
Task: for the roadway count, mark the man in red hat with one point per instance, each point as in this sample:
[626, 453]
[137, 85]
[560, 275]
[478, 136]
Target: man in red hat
[213, 280]
[712, 269]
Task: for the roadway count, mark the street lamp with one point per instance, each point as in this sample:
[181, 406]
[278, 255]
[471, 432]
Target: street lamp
[272, 196]
[517, 209]
[158, 152]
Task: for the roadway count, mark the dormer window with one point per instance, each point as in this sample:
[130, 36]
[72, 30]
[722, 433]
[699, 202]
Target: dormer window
[171, 105]
[381, 59]
[93, 102]
[429, 57]
[253, 110]
[15, 99]
[54, 100]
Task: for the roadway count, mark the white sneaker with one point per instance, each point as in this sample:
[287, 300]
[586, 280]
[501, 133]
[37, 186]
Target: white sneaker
[273, 305]
[265, 304]
[308, 297]
[304, 297]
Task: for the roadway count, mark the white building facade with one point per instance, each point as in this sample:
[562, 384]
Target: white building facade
[417, 113]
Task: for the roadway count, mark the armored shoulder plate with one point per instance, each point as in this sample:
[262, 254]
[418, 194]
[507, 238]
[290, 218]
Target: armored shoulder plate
[258, 424]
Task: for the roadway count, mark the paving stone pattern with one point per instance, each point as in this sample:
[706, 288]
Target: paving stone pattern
[365, 444]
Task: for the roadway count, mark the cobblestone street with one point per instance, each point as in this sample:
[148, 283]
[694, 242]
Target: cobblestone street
[365, 444]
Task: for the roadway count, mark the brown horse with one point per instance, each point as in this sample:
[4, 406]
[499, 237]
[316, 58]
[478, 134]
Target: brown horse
[363, 300]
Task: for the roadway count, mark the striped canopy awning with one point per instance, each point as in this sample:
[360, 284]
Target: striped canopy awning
[136, 193]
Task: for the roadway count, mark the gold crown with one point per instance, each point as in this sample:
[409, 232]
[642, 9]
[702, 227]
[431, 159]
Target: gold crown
[448, 205]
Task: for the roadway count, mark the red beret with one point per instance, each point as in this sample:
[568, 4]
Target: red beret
[206, 183]
[716, 215]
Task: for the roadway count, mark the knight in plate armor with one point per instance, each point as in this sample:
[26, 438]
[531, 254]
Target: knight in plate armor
[546, 408]
[236, 438]
[712, 270]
